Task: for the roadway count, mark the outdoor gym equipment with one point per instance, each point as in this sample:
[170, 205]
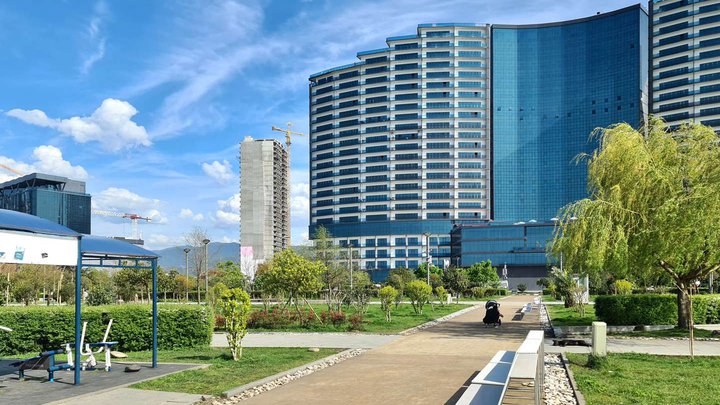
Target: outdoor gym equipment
[86, 349]
[45, 361]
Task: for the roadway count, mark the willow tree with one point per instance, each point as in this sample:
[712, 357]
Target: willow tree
[654, 208]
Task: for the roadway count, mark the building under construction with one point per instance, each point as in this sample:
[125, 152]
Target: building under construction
[54, 198]
[264, 198]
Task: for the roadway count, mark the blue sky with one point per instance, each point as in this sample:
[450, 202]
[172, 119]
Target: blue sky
[147, 100]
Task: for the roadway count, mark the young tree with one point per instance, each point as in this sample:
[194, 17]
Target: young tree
[360, 296]
[457, 281]
[194, 239]
[483, 274]
[399, 278]
[421, 271]
[294, 276]
[653, 207]
[387, 295]
[419, 292]
[234, 305]
[442, 295]
[336, 275]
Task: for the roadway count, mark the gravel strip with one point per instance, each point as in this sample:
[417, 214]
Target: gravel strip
[438, 321]
[558, 390]
[610, 336]
[259, 389]
[545, 321]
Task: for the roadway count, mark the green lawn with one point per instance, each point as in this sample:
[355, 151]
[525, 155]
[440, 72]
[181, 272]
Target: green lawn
[561, 316]
[648, 379]
[403, 318]
[667, 333]
[224, 373]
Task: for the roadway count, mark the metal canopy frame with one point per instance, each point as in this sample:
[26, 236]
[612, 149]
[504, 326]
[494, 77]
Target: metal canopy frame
[109, 260]
[97, 252]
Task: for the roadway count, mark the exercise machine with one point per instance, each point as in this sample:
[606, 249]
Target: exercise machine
[86, 349]
[45, 361]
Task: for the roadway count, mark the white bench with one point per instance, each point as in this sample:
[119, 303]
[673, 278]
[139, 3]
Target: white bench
[508, 376]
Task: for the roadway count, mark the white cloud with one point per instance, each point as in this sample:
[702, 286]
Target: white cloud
[47, 159]
[96, 39]
[186, 213]
[228, 212]
[218, 39]
[111, 125]
[220, 171]
[122, 200]
[300, 202]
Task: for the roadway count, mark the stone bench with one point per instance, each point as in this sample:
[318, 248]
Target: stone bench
[510, 377]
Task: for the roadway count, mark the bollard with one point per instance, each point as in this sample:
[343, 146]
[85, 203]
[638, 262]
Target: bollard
[599, 339]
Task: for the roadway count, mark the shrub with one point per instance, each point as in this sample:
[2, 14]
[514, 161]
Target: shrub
[356, 321]
[336, 318]
[521, 288]
[477, 292]
[234, 304]
[419, 292]
[640, 309]
[623, 287]
[442, 294]
[44, 328]
[489, 292]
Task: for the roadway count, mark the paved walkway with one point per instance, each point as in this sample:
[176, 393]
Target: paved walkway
[125, 396]
[649, 346]
[429, 367]
[325, 340]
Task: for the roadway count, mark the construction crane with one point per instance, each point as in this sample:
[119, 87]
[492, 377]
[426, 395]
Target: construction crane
[13, 171]
[135, 233]
[288, 134]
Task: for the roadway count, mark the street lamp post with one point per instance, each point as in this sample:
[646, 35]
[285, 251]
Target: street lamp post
[206, 241]
[350, 264]
[187, 275]
[427, 255]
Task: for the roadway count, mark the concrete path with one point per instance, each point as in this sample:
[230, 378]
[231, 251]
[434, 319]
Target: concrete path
[325, 340]
[429, 367]
[649, 346]
[130, 396]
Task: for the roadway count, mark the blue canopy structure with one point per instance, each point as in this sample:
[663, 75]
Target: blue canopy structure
[45, 242]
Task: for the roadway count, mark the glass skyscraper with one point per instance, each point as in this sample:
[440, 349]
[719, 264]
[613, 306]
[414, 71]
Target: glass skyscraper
[463, 125]
[686, 61]
[553, 84]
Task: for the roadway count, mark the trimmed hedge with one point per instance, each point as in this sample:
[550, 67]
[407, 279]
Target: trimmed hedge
[653, 309]
[37, 329]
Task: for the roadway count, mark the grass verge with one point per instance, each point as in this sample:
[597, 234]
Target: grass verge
[561, 316]
[647, 379]
[224, 373]
[403, 318]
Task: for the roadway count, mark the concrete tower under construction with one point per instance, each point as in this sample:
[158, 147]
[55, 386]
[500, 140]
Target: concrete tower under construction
[264, 198]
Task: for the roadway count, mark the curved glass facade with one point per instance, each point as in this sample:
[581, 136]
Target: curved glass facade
[553, 84]
[686, 61]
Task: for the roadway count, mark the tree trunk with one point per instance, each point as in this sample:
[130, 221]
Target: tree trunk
[684, 313]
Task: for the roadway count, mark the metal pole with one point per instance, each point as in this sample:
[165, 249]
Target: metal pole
[350, 265]
[187, 275]
[154, 313]
[78, 308]
[206, 274]
[427, 257]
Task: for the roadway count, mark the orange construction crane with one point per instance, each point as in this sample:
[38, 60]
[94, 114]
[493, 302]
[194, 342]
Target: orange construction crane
[11, 170]
[132, 217]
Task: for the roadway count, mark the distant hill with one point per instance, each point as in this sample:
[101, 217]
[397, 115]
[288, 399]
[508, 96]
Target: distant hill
[174, 257]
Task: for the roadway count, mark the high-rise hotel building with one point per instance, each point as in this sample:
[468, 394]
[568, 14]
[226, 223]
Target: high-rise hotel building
[468, 126]
[686, 61]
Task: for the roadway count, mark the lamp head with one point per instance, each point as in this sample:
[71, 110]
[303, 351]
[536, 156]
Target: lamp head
[186, 250]
[206, 241]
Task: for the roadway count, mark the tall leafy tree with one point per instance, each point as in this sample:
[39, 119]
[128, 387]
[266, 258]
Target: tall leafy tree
[654, 208]
[336, 273]
[456, 279]
[483, 274]
[294, 276]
